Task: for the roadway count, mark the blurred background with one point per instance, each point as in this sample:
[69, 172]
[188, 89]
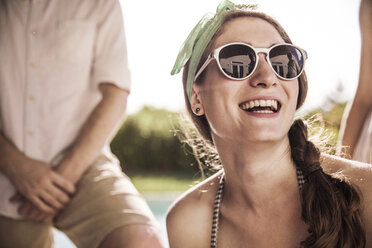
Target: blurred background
[150, 152]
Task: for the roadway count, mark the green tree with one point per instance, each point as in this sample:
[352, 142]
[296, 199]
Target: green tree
[146, 142]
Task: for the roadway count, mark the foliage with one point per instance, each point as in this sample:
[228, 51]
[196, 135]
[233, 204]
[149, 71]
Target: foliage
[325, 125]
[146, 142]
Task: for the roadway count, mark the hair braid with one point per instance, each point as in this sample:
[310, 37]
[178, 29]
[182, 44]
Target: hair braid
[330, 206]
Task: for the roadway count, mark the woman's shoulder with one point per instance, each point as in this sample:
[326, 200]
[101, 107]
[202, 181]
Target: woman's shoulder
[189, 219]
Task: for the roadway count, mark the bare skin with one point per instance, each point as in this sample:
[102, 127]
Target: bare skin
[357, 112]
[261, 201]
[191, 215]
[35, 180]
[133, 236]
[99, 128]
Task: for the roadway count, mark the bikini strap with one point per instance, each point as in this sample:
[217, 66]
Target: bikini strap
[217, 203]
[216, 211]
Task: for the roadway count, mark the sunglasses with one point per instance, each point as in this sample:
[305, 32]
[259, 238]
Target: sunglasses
[238, 60]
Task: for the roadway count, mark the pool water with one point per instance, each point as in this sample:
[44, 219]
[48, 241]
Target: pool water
[159, 204]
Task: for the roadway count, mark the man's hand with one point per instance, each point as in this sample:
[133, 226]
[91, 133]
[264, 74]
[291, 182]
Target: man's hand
[45, 188]
[30, 211]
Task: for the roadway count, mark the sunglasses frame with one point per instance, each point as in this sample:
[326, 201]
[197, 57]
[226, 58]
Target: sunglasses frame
[215, 55]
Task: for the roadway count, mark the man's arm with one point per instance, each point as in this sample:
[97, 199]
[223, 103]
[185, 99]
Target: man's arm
[97, 130]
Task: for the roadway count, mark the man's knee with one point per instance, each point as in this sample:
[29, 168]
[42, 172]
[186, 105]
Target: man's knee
[24, 233]
[134, 236]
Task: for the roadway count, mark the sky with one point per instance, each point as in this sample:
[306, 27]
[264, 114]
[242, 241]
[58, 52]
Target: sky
[327, 29]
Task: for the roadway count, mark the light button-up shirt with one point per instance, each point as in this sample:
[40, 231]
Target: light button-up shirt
[54, 54]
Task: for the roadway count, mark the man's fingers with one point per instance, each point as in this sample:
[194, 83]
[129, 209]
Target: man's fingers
[51, 200]
[33, 213]
[17, 197]
[30, 211]
[59, 195]
[42, 206]
[25, 209]
[48, 218]
[63, 183]
[41, 216]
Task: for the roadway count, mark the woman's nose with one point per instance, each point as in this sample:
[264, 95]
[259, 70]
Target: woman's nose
[264, 75]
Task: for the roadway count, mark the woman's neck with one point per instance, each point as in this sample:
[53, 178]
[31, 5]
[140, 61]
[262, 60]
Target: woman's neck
[258, 175]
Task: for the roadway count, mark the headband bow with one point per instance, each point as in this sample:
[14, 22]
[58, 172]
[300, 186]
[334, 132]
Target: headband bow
[199, 38]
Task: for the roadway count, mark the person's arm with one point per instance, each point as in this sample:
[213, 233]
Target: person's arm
[356, 113]
[34, 179]
[96, 131]
[351, 126]
[110, 65]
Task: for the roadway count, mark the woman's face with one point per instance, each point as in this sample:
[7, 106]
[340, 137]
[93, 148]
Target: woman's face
[224, 100]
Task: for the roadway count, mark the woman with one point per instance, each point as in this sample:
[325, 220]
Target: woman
[272, 191]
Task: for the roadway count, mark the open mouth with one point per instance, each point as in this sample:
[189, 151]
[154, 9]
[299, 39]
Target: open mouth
[261, 106]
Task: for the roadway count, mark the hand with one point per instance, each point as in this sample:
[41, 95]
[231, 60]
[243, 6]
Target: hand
[45, 188]
[30, 211]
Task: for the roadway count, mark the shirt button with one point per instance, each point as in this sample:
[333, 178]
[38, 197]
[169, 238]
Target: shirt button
[32, 65]
[31, 97]
[34, 32]
[30, 133]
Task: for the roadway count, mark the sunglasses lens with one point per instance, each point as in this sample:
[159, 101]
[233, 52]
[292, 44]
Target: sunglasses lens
[237, 60]
[287, 61]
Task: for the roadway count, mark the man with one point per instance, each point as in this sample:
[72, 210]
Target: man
[64, 83]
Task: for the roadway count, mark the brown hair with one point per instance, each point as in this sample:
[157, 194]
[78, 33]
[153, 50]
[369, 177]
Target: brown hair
[330, 205]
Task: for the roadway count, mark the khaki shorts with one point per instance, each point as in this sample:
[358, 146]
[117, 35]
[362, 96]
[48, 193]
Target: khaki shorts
[105, 200]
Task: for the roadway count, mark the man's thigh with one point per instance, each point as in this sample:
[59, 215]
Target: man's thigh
[105, 200]
[24, 234]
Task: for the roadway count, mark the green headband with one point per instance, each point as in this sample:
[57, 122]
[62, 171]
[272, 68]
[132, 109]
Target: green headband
[199, 38]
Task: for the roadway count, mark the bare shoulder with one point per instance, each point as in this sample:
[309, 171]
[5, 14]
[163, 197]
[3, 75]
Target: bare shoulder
[359, 175]
[189, 219]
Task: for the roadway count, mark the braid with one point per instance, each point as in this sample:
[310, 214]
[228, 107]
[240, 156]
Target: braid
[330, 206]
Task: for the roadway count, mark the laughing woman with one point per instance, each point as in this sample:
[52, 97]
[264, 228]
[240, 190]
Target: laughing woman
[244, 80]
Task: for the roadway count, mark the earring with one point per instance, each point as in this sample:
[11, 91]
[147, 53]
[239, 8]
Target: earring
[197, 110]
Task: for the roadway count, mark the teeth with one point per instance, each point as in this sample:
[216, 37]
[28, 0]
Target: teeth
[273, 104]
[263, 111]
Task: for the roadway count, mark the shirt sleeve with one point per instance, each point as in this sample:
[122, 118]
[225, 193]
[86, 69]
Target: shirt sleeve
[110, 63]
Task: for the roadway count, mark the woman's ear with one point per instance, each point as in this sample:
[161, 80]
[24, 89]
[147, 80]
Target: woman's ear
[196, 103]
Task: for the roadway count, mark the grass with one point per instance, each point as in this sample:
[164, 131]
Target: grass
[152, 183]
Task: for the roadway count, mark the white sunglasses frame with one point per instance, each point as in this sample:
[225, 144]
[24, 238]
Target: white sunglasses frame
[215, 55]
